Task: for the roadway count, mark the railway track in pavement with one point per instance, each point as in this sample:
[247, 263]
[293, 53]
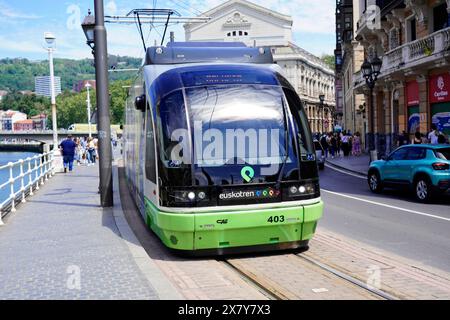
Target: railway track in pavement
[296, 277]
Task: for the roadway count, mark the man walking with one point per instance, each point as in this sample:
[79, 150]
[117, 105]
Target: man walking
[68, 151]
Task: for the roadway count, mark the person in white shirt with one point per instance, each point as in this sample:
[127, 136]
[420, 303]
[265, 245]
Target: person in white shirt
[433, 135]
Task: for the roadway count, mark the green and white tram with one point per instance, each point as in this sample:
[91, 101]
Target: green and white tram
[218, 151]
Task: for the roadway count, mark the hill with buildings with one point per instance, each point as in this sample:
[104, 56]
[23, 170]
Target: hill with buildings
[18, 74]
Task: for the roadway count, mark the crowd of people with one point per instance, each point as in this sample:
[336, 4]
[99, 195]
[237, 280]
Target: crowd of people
[434, 137]
[83, 151]
[350, 144]
[335, 142]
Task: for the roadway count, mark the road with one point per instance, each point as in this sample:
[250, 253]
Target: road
[392, 221]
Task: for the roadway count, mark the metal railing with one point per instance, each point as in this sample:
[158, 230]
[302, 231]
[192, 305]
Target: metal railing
[25, 175]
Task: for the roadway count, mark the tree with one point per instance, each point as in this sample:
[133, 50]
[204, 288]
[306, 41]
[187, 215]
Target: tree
[329, 60]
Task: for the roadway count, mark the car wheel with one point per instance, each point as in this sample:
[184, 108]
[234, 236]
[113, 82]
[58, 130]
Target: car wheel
[321, 166]
[423, 189]
[374, 181]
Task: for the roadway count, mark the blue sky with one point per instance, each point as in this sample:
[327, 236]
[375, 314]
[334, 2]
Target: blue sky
[25, 21]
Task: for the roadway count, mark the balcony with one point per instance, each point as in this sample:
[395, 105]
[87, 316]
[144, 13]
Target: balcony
[417, 53]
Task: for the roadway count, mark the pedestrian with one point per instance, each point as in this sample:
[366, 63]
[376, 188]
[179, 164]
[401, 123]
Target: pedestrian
[356, 146]
[434, 134]
[417, 138]
[333, 144]
[403, 139]
[442, 139]
[324, 143]
[68, 151]
[91, 151]
[345, 143]
[338, 143]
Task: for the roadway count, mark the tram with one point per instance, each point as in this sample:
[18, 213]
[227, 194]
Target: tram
[218, 152]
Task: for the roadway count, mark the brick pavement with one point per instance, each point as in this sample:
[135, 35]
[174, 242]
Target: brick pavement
[400, 277]
[62, 230]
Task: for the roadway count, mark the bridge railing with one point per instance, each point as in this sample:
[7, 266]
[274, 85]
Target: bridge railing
[22, 178]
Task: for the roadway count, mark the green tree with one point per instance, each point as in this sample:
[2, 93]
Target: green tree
[329, 60]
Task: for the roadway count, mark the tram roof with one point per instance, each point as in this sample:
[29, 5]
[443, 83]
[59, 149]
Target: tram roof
[203, 52]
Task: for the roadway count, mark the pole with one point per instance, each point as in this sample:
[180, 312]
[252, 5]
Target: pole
[89, 111]
[53, 100]
[103, 121]
[372, 122]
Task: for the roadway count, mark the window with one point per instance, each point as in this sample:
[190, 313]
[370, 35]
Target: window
[416, 153]
[440, 17]
[150, 169]
[443, 154]
[240, 33]
[234, 33]
[245, 33]
[398, 154]
[229, 34]
[411, 29]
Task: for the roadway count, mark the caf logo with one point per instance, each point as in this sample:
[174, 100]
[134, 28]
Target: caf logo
[440, 83]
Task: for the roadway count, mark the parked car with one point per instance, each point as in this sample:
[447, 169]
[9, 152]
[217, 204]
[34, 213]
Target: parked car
[320, 154]
[424, 168]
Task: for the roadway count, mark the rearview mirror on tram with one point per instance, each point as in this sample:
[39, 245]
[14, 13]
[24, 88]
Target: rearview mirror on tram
[140, 102]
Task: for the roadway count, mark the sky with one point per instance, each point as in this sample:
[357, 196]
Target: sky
[23, 23]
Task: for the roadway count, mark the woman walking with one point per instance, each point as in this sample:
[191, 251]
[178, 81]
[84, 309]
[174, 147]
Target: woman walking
[356, 148]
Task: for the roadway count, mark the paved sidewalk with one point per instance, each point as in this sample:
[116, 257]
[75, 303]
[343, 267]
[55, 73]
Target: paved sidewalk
[62, 232]
[358, 165]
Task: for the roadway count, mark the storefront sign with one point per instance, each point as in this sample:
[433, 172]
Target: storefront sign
[412, 93]
[440, 88]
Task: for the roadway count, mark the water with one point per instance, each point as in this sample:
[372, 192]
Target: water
[6, 157]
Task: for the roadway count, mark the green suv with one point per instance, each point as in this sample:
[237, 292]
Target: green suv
[425, 168]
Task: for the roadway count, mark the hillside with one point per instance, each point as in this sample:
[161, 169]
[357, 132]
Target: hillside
[18, 74]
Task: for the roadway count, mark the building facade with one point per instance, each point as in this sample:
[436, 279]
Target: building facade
[42, 86]
[349, 55]
[243, 21]
[9, 118]
[412, 38]
[23, 125]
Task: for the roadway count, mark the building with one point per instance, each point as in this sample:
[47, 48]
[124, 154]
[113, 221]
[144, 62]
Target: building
[42, 86]
[413, 89]
[80, 85]
[243, 21]
[23, 125]
[9, 118]
[39, 121]
[349, 55]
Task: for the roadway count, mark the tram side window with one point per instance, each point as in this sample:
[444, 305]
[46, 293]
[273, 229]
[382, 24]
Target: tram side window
[150, 167]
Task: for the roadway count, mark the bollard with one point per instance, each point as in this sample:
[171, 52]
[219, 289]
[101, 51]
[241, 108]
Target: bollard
[11, 181]
[22, 186]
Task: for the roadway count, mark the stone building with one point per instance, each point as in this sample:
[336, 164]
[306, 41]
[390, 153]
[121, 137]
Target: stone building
[241, 20]
[413, 89]
[349, 55]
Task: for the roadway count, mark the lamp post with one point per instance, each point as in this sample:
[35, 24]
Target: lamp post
[371, 70]
[88, 100]
[322, 99]
[50, 41]
[94, 29]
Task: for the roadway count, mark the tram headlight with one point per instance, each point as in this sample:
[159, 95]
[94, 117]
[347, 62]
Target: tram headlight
[302, 189]
[191, 195]
[201, 195]
[305, 189]
[293, 190]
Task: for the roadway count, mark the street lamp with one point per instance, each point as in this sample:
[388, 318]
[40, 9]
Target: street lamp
[88, 100]
[95, 32]
[322, 99]
[50, 40]
[370, 71]
[88, 26]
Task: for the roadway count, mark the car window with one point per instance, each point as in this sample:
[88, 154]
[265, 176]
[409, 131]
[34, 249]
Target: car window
[443, 153]
[416, 153]
[400, 154]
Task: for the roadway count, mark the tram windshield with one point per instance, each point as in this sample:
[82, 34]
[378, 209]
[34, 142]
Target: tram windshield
[231, 134]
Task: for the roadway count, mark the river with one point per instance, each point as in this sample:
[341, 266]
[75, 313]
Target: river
[6, 157]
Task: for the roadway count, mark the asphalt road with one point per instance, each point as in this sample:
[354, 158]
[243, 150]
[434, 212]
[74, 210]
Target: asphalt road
[392, 221]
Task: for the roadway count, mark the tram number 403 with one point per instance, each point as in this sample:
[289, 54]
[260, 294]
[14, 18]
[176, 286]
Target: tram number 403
[275, 219]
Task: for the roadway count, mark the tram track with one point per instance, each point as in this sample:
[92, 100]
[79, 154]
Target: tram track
[276, 290]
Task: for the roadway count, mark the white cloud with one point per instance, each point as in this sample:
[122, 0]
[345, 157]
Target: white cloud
[7, 11]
